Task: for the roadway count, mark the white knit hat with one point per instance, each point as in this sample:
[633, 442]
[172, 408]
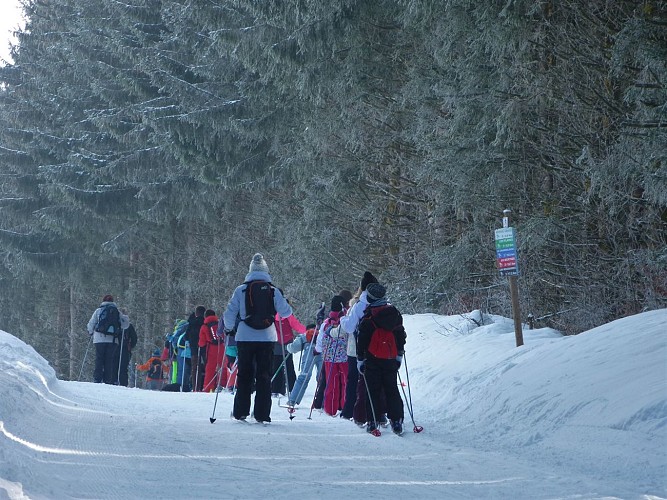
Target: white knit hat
[258, 264]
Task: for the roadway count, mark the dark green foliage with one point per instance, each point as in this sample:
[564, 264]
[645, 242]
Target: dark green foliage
[149, 149]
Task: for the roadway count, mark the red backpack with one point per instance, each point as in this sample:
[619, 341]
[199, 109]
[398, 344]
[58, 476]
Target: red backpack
[383, 341]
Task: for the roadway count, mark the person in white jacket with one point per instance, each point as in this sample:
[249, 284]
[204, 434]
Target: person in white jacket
[355, 392]
[106, 344]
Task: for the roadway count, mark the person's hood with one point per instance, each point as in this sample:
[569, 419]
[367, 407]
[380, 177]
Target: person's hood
[210, 320]
[257, 276]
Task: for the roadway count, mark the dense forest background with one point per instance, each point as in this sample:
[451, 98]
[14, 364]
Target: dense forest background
[149, 147]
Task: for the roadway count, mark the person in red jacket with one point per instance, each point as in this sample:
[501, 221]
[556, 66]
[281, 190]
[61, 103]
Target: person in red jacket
[214, 346]
[285, 328]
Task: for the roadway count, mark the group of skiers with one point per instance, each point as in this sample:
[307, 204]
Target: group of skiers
[357, 349]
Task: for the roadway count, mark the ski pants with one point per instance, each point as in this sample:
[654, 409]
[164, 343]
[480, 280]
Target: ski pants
[350, 387]
[334, 395]
[124, 365]
[254, 360]
[382, 375]
[215, 364]
[106, 367]
[303, 379]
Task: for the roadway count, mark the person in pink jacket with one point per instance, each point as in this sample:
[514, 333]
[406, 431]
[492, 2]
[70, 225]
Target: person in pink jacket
[285, 328]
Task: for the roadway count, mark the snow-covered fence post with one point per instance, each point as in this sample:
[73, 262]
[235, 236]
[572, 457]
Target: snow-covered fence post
[508, 265]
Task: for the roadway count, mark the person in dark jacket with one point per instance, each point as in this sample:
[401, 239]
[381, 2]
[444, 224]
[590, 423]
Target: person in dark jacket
[197, 361]
[128, 342]
[380, 348]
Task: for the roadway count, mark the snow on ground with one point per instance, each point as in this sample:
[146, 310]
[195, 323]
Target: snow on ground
[559, 418]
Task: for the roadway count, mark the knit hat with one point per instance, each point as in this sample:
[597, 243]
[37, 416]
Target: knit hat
[337, 303]
[156, 352]
[107, 298]
[367, 279]
[347, 296]
[375, 291]
[258, 264]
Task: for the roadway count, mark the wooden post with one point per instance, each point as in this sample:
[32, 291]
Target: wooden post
[514, 292]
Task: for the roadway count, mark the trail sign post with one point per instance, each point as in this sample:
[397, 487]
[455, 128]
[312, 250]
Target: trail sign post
[507, 260]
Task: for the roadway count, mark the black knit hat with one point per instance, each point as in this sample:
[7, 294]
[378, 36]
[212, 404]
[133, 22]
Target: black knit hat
[337, 303]
[375, 291]
[368, 278]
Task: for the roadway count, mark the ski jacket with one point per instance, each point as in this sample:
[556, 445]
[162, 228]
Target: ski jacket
[147, 366]
[289, 326]
[332, 340]
[194, 326]
[350, 321]
[205, 334]
[101, 338]
[129, 338]
[387, 317]
[235, 311]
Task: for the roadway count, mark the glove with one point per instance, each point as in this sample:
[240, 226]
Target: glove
[321, 313]
[399, 360]
[230, 333]
[360, 366]
[367, 279]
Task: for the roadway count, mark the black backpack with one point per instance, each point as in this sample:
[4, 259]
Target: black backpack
[155, 370]
[108, 321]
[260, 311]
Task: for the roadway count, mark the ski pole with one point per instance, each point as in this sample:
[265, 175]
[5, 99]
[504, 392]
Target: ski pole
[217, 393]
[195, 384]
[416, 428]
[232, 372]
[216, 376]
[90, 341]
[212, 418]
[280, 367]
[313, 342]
[376, 432]
[120, 356]
[321, 374]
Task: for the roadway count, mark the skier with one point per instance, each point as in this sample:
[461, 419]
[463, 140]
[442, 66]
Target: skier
[304, 342]
[380, 347]
[252, 308]
[156, 369]
[105, 327]
[333, 342]
[286, 327]
[124, 353]
[195, 322]
[213, 344]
